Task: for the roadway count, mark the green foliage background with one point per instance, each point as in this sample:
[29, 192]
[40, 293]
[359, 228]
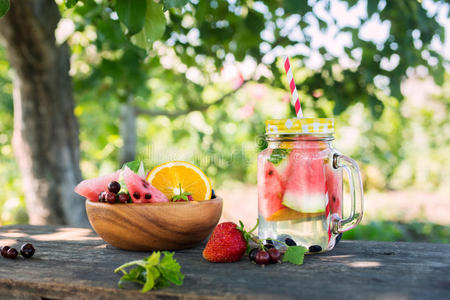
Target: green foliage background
[217, 123]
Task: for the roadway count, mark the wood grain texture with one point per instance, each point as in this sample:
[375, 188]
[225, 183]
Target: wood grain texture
[154, 226]
[73, 263]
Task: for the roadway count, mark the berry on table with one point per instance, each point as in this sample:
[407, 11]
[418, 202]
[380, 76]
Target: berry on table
[114, 187]
[4, 250]
[274, 255]
[290, 242]
[262, 257]
[11, 253]
[315, 248]
[252, 254]
[110, 197]
[27, 250]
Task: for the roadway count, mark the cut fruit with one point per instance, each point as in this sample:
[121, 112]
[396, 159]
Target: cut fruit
[306, 185]
[140, 190]
[334, 189]
[270, 192]
[91, 188]
[176, 177]
[287, 214]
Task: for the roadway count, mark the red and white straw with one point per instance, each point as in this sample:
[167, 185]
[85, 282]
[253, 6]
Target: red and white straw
[295, 99]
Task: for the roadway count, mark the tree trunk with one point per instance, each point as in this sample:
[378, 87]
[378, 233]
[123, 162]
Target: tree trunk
[127, 130]
[45, 137]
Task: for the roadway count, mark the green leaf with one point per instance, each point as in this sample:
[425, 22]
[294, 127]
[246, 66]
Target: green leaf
[69, 3]
[133, 165]
[174, 4]
[4, 7]
[132, 14]
[294, 255]
[152, 272]
[152, 275]
[154, 26]
[278, 155]
[170, 269]
[296, 7]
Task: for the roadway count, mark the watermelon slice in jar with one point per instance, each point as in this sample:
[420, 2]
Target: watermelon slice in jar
[91, 188]
[270, 193]
[306, 188]
[141, 191]
[334, 189]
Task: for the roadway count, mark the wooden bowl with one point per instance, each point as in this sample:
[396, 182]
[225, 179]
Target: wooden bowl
[154, 226]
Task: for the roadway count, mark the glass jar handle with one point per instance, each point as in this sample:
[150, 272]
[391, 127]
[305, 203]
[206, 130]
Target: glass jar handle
[356, 192]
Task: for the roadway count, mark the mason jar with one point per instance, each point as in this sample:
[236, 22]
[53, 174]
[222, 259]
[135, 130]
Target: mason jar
[300, 190]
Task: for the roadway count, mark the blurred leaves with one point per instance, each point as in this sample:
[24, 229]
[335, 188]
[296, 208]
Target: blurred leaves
[4, 6]
[154, 26]
[132, 14]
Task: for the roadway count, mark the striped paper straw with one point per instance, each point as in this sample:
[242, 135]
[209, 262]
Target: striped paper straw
[295, 100]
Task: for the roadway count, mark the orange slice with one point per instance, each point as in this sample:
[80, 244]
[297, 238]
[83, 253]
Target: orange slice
[175, 177]
[287, 214]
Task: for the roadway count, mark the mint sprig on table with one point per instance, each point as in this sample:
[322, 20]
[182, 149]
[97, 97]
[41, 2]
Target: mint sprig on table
[152, 272]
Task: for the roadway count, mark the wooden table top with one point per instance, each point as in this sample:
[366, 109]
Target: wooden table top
[75, 263]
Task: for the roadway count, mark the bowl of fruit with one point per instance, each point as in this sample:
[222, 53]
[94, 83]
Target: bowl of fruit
[172, 207]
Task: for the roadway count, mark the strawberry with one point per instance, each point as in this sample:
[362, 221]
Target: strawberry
[226, 244]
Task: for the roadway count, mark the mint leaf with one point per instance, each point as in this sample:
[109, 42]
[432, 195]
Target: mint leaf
[152, 272]
[4, 7]
[170, 269]
[295, 255]
[278, 155]
[133, 165]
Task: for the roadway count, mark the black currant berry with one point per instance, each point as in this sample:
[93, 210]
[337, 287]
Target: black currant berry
[123, 198]
[4, 250]
[252, 254]
[268, 246]
[114, 187]
[27, 250]
[11, 253]
[315, 248]
[110, 197]
[290, 242]
[338, 238]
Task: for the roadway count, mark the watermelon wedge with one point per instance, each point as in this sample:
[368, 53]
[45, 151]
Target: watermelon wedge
[306, 189]
[91, 188]
[334, 189]
[270, 189]
[140, 190]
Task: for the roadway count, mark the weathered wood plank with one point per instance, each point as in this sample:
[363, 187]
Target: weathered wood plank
[75, 263]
